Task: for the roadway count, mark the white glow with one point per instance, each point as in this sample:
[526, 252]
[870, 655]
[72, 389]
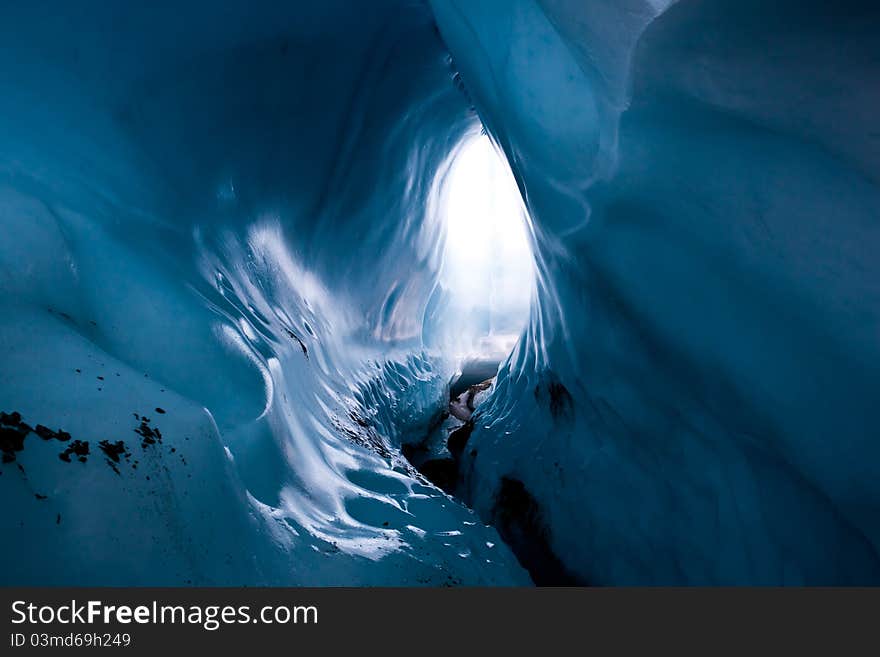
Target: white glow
[488, 264]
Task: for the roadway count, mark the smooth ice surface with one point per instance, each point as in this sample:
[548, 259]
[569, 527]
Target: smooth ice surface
[696, 399]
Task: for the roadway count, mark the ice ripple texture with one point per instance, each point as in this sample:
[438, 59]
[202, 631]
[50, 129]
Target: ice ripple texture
[218, 250]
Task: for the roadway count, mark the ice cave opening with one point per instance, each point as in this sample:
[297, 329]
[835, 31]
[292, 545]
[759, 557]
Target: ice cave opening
[487, 274]
[487, 265]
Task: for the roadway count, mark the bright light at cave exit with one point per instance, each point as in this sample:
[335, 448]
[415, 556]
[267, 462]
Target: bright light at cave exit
[488, 263]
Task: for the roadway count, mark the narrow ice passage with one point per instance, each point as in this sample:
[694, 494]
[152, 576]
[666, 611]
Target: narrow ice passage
[440, 293]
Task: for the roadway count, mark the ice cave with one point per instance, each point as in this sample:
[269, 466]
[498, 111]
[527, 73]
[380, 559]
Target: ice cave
[440, 292]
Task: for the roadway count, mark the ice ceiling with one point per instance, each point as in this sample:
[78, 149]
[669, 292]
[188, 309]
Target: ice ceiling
[246, 246]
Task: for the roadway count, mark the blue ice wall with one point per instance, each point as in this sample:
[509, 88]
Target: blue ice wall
[219, 267]
[696, 400]
[217, 250]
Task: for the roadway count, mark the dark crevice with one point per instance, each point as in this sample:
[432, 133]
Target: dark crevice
[439, 455]
[518, 519]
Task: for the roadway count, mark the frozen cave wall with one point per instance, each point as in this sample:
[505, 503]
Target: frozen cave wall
[218, 250]
[696, 399]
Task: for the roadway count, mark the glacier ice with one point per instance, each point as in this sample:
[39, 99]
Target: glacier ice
[695, 400]
[225, 219]
[227, 264]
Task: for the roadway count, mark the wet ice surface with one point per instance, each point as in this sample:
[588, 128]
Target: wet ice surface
[184, 289]
[307, 492]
